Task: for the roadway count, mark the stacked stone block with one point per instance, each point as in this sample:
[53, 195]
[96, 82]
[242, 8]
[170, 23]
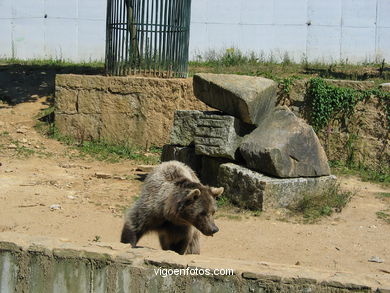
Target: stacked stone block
[263, 155]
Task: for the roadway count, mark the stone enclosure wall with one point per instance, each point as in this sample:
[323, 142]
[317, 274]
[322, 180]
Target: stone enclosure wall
[363, 139]
[140, 111]
[126, 110]
[43, 265]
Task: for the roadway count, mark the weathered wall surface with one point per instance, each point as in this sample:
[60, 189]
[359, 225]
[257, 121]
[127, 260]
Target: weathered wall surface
[357, 30]
[126, 110]
[364, 138]
[140, 111]
[38, 264]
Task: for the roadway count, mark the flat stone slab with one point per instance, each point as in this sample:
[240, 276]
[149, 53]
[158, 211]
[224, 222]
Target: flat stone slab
[213, 133]
[246, 97]
[252, 190]
[285, 146]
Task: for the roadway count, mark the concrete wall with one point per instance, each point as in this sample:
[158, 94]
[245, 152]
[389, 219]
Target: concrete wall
[355, 29]
[71, 29]
[39, 264]
[339, 29]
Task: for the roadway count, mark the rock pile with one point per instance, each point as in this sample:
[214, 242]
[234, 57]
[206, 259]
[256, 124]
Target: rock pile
[262, 154]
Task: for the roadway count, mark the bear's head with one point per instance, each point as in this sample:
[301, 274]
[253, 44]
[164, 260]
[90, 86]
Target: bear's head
[196, 204]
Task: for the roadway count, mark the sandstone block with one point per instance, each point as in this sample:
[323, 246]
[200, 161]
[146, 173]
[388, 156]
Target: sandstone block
[256, 191]
[212, 133]
[219, 135]
[284, 146]
[184, 127]
[246, 97]
[132, 110]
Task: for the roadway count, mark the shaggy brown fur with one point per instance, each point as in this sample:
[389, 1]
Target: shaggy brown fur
[176, 205]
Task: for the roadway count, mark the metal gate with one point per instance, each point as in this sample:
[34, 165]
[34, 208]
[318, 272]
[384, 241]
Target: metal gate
[148, 37]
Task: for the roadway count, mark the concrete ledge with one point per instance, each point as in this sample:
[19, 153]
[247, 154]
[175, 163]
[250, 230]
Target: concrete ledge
[39, 264]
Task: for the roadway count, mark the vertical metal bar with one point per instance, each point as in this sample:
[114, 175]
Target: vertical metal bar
[165, 37]
[108, 37]
[147, 53]
[126, 48]
[114, 36]
[121, 36]
[169, 41]
[160, 32]
[149, 36]
[155, 13]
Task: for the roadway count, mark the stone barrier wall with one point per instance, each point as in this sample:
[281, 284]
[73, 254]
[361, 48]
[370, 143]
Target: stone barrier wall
[137, 110]
[39, 264]
[127, 110]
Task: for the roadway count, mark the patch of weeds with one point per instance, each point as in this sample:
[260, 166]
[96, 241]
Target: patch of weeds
[55, 63]
[380, 175]
[97, 238]
[5, 133]
[99, 150]
[384, 215]
[383, 195]
[233, 217]
[329, 102]
[313, 206]
[22, 151]
[113, 153]
[285, 86]
[256, 213]
[223, 202]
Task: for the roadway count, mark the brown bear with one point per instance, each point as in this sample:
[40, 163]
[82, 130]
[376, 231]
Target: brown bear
[174, 204]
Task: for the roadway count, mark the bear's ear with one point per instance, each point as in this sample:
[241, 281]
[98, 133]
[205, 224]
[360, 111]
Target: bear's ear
[216, 191]
[192, 196]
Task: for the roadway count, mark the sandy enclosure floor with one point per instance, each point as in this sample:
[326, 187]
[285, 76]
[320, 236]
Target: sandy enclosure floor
[92, 208]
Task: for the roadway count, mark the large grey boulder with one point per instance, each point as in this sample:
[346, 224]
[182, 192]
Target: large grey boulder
[246, 97]
[284, 146]
[219, 135]
[252, 190]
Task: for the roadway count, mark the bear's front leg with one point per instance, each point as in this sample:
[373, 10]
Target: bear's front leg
[180, 247]
[129, 236]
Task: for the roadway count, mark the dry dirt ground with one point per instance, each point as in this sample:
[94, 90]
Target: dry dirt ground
[37, 172]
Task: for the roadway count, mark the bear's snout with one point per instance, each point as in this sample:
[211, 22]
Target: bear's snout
[214, 230]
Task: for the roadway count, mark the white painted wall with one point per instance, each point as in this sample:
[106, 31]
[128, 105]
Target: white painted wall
[75, 29]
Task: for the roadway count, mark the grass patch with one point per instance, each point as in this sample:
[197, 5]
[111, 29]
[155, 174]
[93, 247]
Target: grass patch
[104, 151]
[383, 195]
[226, 209]
[384, 215]
[52, 63]
[380, 175]
[234, 61]
[317, 205]
[99, 150]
